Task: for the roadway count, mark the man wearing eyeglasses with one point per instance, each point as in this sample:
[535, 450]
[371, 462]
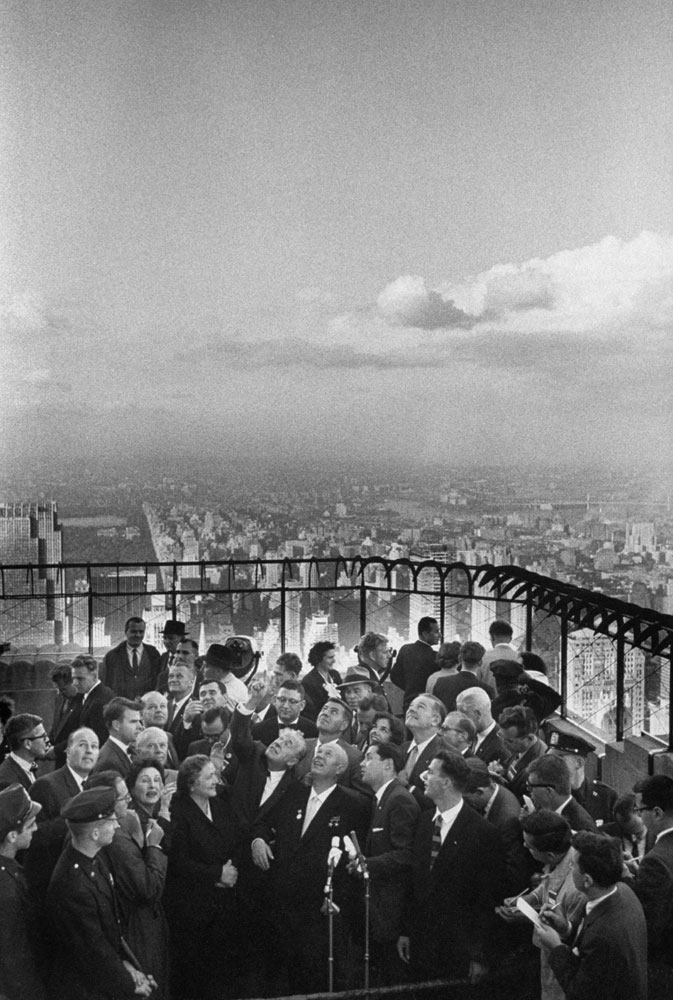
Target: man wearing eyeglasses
[28, 743]
[289, 703]
[549, 788]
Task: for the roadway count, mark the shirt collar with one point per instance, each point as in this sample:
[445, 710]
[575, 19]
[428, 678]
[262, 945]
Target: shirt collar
[449, 815]
[491, 801]
[591, 904]
[379, 795]
[663, 833]
[122, 746]
[24, 764]
[321, 796]
[76, 777]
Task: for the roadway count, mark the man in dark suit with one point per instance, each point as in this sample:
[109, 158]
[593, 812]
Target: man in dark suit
[28, 743]
[289, 703]
[424, 718]
[264, 772]
[52, 791]
[304, 827]
[82, 908]
[457, 877]
[608, 959]
[489, 746]
[172, 635]
[184, 707]
[447, 689]
[333, 722]
[93, 695]
[416, 661]
[132, 667]
[388, 850]
[124, 723]
[654, 880]
[66, 711]
[548, 785]
[459, 733]
[502, 809]
[518, 728]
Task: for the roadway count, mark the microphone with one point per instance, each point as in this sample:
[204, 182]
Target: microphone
[334, 856]
[358, 850]
[350, 848]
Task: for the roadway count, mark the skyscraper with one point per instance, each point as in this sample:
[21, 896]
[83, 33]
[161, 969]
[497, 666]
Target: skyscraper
[33, 609]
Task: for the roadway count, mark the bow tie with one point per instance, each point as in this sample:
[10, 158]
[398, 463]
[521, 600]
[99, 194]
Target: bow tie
[33, 767]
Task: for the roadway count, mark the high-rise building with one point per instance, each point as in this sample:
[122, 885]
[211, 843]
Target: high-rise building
[33, 608]
[640, 537]
[592, 683]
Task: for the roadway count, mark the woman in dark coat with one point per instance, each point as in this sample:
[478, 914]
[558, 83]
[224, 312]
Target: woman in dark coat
[320, 683]
[138, 865]
[200, 890]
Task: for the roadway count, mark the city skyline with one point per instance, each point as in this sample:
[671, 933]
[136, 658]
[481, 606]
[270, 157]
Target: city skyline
[274, 232]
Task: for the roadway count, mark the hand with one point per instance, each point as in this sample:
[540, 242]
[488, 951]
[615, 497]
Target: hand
[262, 855]
[477, 972]
[510, 914]
[229, 876]
[143, 985]
[167, 793]
[495, 767]
[217, 757]
[192, 709]
[353, 867]
[154, 834]
[556, 920]
[403, 948]
[257, 690]
[547, 937]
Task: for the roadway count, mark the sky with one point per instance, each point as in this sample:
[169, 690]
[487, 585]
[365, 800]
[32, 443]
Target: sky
[429, 232]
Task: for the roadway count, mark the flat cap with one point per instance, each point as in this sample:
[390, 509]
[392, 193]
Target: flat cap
[561, 742]
[16, 808]
[90, 805]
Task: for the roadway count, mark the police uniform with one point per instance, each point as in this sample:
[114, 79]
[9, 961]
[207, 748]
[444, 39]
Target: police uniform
[597, 798]
[83, 915]
[20, 977]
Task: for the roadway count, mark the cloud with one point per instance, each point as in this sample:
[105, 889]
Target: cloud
[27, 313]
[407, 302]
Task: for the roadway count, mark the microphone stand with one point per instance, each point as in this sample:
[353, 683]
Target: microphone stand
[330, 908]
[362, 864]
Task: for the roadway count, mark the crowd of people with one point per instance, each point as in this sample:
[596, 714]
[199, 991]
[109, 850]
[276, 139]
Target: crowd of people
[182, 835]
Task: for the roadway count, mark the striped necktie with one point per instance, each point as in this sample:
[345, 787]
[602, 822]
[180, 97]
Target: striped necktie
[436, 838]
[134, 661]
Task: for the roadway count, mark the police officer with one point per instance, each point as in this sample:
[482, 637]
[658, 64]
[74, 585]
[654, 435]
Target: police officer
[90, 959]
[19, 975]
[596, 797]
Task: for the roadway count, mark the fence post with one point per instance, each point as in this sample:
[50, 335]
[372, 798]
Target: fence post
[621, 670]
[564, 662]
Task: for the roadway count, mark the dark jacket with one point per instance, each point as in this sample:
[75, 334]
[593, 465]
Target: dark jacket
[447, 689]
[86, 940]
[316, 695]
[388, 849]
[654, 887]
[414, 664]
[116, 671]
[19, 970]
[91, 710]
[609, 958]
[267, 730]
[11, 772]
[450, 918]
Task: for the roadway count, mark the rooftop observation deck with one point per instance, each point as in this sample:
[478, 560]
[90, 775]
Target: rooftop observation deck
[610, 660]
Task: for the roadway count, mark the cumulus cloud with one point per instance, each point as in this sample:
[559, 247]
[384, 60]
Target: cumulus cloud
[408, 302]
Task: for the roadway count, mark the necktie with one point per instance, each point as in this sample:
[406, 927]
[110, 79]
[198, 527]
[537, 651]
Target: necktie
[134, 661]
[171, 713]
[634, 847]
[312, 807]
[436, 838]
[411, 760]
